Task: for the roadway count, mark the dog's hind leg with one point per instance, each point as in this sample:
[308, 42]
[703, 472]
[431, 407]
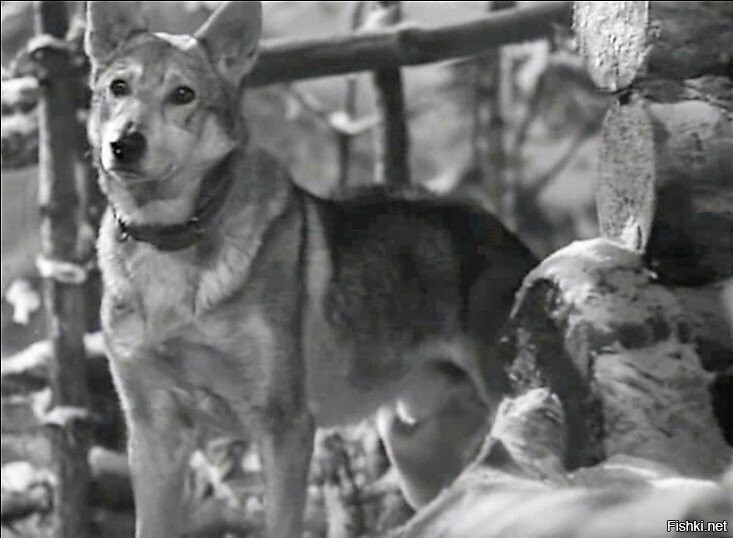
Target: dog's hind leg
[287, 447]
[162, 437]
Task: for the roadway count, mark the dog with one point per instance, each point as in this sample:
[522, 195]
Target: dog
[236, 301]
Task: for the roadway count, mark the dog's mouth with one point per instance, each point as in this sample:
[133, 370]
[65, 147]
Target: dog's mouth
[129, 176]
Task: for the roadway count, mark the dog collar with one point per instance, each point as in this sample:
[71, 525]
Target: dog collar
[212, 195]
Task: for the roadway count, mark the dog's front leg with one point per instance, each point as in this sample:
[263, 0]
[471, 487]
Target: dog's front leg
[287, 446]
[158, 461]
[161, 439]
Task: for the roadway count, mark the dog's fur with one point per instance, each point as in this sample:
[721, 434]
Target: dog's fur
[289, 312]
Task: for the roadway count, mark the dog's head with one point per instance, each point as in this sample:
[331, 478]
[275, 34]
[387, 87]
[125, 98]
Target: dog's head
[165, 107]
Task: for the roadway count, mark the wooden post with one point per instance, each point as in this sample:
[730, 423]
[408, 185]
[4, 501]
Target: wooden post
[391, 142]
[64, 293]
[343, 140]
[666, 159]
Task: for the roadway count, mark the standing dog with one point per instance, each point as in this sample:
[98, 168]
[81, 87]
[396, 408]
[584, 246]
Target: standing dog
[235, 300]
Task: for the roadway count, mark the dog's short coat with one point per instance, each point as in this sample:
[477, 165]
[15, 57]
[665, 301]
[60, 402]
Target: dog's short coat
[236, 301]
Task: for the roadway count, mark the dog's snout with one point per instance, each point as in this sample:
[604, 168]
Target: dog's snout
[129, 147]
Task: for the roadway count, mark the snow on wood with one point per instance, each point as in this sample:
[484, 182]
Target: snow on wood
[627, 41]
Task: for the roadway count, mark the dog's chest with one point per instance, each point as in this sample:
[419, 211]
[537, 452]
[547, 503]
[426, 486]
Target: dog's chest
[166, 286]
[152, 296]
[149, 295]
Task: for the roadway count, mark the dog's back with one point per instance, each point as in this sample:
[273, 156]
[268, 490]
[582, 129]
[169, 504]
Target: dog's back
[406, 270]
[404, 318]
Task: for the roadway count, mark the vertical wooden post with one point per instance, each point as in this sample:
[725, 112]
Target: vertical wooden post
[392, 143]
[343, 140]
[64, 296]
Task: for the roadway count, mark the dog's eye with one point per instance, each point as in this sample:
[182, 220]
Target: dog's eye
[119, 88]
[182, 95]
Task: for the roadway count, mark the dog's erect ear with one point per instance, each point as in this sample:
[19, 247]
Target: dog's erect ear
[108, 25]
[231, 35]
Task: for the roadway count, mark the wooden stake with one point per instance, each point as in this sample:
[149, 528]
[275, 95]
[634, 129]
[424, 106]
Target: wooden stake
[64, 297]
[343, 141]
[391, 141]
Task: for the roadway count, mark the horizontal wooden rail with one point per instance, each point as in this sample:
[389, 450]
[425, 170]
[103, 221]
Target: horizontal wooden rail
[285, 61]
[406, 44]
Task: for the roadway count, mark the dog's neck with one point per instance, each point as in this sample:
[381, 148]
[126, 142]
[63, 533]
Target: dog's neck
[260, 194]
[213, 191]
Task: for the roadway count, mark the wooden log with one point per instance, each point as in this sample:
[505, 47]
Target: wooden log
[29, 369]
[343, 141]
[15, 506]
[515, 479]
[664, 187]
[404, 45]
[59, 202]
[612, 348]
[283, 61]
[595, 327]
[111, 487]
[667, 148]
[625, 42]
[19, 95]
[625, 193]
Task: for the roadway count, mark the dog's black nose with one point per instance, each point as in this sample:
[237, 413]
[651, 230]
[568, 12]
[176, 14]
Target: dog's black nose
[129, 147]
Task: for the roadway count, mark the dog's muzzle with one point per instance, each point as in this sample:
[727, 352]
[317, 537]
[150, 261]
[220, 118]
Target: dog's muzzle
[129, 148]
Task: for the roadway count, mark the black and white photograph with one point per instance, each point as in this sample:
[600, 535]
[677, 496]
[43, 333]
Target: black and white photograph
[365, 269]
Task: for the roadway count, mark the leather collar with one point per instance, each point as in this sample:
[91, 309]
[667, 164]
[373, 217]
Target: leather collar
[212, 195]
